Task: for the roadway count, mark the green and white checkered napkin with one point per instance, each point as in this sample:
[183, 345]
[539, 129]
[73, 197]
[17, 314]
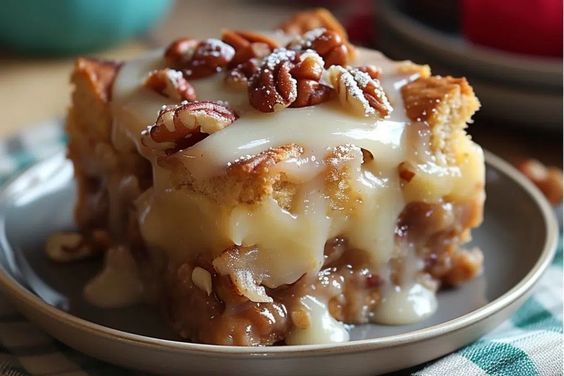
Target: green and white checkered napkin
[530, 343]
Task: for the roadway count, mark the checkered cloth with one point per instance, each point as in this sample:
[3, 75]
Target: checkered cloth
[530, 343]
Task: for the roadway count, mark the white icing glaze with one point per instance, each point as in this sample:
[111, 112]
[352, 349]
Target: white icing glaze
[406, 305]
[257, 132]
[318, 129]
[118, 284]
[135, 107]
[323, 327]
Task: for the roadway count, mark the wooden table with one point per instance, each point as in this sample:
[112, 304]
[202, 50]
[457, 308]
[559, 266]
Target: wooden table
[36, 89]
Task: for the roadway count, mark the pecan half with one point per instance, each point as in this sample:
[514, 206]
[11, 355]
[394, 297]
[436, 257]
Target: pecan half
[307, 72]
[170, 83]
[311, 93]
[406, 172]
[327, 43]
[372, 70]
[273, 88]
[180, 51]
[240, 76]
[181, 126]
[316, 18]
[260, 163]
[358, 92]
[288, 78]
[199, 59]
[248, 45]
[313, 19]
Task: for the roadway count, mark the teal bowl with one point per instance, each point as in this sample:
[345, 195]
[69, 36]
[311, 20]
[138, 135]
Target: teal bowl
[65, 27]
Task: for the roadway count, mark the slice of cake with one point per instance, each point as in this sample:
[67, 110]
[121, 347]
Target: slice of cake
[269, 188]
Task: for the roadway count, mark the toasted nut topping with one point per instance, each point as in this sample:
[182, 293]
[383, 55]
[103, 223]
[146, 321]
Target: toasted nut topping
[547, 179]
[202, 279]
[406, 172]
[310, 93]
[260, 163]
[199, 59]
[327, 43]
[67, 247]
[239, 76]
[181, 126]
[274, 88]
[180, 52]
[288, 78]
[367, 156]
[235, 262]
[170, 83]
[248, 45]
[358, 92]
[313, 19]
[373, 71]
[308, 71]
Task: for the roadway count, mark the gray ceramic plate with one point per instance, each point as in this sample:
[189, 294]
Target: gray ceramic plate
[518, 238]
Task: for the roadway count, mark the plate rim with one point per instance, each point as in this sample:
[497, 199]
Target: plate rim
[16, 291]
[544, 69]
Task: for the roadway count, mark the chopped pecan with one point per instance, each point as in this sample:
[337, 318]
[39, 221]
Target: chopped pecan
[372, 70]
[308, 71]
[199, 59]
[367, 156]
[406, 172]
[181, 126]
[310, 93]
[170, 83]
[248, 45]
[313, 19]
[202, 279]
[239, 76]
[547, 179]
[180, 52]
[237, 263]
[262, 162]
[288, 78]
[358, 92]
[316, 18]
[327, 43]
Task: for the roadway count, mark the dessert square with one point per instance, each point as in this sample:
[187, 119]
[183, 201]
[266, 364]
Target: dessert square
[272, 188]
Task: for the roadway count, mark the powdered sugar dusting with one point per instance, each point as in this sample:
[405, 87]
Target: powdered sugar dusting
[353, 86]
[278, 56]
[174, 78]
[311, 54]
[306, 40]
[217, 48]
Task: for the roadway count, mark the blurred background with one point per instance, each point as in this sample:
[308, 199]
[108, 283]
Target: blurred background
[510, 50]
